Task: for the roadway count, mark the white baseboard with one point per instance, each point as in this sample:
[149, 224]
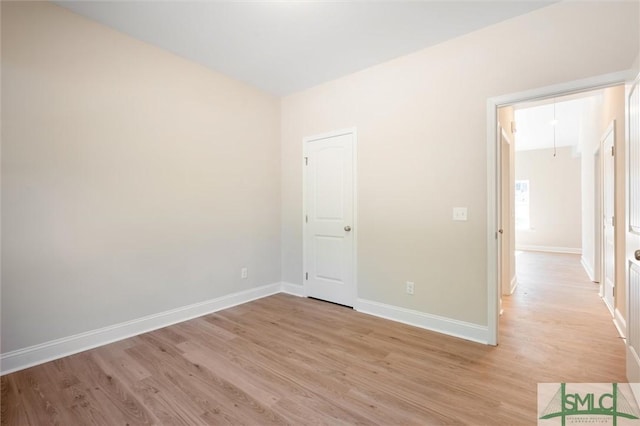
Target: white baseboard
[588, 269]
[513, 284]
[452, 327]
[633, 370]
[604, 300]
[512, 287]
[293, 289]
[54, 349]
[620, 323]
[550, 249]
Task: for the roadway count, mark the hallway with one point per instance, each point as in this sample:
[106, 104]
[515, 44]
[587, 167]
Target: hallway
[556, 306]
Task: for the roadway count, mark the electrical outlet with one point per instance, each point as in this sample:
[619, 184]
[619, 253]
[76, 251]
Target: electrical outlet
[409, 287]
[460, 213]
[244, 273]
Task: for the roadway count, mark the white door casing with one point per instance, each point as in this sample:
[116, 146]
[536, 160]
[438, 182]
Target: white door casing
[499, 213]
[597, 214]
[632, 261]
[329, 232]
[493, 282]
[506, 214]
[607, 285]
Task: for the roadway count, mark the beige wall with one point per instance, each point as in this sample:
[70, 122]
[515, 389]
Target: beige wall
[133, 181]
[555, 198]
[421, 123]
[508, 260]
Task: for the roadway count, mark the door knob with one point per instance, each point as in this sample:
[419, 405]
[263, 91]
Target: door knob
[347, 228]
[637, 254]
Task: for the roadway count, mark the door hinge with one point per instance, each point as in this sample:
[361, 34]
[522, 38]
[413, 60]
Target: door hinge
[306, 218]
[306, 275]
[613, 151]
[306, 161]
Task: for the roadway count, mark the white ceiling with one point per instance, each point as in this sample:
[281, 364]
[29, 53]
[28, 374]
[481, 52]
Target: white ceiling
[286, 46]
[533, 122]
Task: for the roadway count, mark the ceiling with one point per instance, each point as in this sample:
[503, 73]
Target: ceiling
[534, 128]
[287, 46]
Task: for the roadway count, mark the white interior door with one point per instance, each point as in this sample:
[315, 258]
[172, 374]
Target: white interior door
[506, 214]
[608, 241]
[597, 214]
[633, 236]
[329, 213]
[499, 214]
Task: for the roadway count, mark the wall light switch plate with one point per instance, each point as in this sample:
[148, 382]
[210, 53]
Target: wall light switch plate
[459, 213]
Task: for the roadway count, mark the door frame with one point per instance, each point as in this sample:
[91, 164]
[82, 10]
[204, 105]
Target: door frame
[354, 227]
[493, 156]
[500, 133]
[506, 179]
[598, 256]
[611, 129]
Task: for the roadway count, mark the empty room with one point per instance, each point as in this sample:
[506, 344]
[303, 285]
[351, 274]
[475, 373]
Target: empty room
[291, 213]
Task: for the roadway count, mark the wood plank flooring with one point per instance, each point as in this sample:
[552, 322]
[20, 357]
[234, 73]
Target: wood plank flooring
[289, 360]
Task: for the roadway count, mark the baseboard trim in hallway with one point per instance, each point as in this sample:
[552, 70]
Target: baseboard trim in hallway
[620, 323]
[588, 269]
[550, 249]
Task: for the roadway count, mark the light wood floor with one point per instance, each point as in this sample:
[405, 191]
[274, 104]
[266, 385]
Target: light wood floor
[289, 360]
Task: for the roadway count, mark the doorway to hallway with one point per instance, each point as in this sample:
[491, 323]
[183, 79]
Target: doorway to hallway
[558, 198]
[557, 305]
